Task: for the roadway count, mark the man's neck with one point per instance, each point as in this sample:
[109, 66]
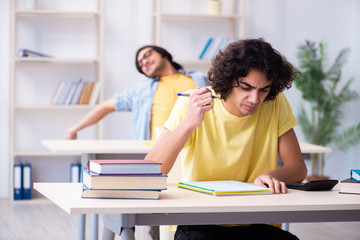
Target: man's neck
[168, 70]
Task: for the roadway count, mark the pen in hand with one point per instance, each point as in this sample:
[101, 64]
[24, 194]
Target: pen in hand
[188, 95]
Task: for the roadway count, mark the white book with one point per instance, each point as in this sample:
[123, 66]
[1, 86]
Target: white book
[95, 93]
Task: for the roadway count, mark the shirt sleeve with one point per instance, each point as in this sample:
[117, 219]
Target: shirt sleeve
[287, 119]
[178, 113]
[124, 100]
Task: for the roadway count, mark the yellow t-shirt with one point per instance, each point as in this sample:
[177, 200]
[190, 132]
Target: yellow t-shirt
[165, 98]
[227, 147]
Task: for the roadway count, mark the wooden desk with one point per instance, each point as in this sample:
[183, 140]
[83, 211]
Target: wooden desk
[181, 206]
[98, 149]
[102, 149]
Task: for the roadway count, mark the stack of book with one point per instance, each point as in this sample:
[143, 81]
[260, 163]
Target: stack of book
[351, 185]
[132, 179]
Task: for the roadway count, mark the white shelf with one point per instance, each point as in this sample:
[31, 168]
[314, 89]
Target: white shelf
[204, 17]
[32, 13]
[27, 153]
[34, 80]
[54, 107]
[56, 60]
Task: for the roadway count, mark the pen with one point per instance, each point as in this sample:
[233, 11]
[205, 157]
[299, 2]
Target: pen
[188, 95]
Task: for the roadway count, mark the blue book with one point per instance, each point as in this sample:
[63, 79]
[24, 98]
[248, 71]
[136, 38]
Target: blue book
[26, 181]
[355, 174]
[18, 182]
[205, 48]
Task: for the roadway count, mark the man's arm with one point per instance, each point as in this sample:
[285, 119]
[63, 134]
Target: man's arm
[294, 168]
[170, 143]
[92, 117]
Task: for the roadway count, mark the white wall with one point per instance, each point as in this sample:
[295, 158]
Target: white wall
[285, 24]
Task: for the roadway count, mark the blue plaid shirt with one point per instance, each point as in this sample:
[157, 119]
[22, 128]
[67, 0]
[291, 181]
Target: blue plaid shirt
[139, 100]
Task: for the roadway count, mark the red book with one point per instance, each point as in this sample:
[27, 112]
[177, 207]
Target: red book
[119, 166]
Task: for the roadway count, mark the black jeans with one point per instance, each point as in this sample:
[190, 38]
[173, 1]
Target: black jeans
[215, 232]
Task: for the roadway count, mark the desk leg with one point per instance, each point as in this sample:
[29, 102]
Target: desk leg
[81, 227]
[120, 224]
[94, 226]
[108, 234]
[128, 234]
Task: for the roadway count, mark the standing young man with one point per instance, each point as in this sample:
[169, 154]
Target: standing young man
[150, 100]
[237, 136]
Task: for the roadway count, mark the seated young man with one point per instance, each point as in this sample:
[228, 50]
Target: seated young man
[238, 135]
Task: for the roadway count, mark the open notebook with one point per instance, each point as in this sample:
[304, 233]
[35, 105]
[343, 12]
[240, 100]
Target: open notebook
[225, 188]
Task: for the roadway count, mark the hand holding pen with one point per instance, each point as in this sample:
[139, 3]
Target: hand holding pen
[199, 103]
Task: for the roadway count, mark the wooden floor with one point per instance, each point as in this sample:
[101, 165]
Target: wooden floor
[43, 220]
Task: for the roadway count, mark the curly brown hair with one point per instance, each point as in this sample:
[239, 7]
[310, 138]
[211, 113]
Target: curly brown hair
[242, 56]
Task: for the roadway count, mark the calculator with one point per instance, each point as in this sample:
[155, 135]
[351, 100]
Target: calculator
[314, 185]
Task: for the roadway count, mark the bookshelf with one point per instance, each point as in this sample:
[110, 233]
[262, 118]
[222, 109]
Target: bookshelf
[192, 22]
[71, 33]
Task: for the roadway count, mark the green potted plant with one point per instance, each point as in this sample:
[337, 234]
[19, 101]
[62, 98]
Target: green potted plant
[320, 87]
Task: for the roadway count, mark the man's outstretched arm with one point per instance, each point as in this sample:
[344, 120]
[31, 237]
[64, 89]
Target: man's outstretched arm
[92, 117]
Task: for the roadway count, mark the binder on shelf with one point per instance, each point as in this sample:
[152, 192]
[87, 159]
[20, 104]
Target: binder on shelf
[26, 181]
[18, 182]
[30, 53]
[75, 170]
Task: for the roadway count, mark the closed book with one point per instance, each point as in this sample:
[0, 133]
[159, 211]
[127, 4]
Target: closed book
[114, 166]
[79, 88]
[225, 188]
[18, 181]
[64, 92]
[71, 93]
[355, 174]
[213, 49]
[95, 94]
[96, 181]
[57, 92]
[120, 194]
[203, 52]
[349, 186]
[26, 181]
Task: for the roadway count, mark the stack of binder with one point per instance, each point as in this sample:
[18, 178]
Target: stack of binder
[22, 181]
[129, 179]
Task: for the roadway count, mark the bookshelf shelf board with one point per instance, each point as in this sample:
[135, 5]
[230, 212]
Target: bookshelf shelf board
[27, 153]
[57, 60]
[40, 13]
[205, 17]
[54, 107]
